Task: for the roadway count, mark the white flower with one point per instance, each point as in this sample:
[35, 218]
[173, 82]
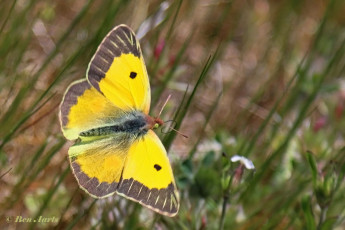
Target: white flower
[246, 162]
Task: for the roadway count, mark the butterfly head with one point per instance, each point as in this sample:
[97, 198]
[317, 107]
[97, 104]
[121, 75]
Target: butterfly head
[158, 123]
[153, 122]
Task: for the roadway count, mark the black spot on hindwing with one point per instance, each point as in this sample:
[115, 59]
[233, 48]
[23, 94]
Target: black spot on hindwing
[157, 167]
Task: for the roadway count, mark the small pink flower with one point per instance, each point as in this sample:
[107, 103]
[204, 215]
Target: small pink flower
[159, 48]
[203, 222]
[339, 109]
[172, 59]
[320, 123]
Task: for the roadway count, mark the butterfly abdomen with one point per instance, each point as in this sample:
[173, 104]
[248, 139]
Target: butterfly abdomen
[102, 131]
[136, 125]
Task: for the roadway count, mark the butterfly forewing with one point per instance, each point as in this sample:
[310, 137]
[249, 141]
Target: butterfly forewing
[118, 70]
[84, 108]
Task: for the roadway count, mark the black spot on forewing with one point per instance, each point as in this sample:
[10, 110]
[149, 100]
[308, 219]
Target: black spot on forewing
[132, 75]
[157, 167]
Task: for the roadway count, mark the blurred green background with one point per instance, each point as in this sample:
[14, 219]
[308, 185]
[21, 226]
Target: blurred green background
[262, 79]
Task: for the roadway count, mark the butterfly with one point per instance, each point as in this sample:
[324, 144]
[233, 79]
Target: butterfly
[116, 149]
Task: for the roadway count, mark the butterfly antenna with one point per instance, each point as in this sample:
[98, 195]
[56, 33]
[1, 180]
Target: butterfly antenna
[165, 103]
[160, 112]
[184, 135]
[165, 122]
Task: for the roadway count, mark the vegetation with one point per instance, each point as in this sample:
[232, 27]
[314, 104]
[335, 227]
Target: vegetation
[261, 79]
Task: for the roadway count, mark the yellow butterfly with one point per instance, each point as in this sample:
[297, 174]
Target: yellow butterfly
[116, 149]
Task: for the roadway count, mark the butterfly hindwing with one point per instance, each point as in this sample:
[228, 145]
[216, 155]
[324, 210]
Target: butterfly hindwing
[97, 164]
[118, 71]
[147, 176]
